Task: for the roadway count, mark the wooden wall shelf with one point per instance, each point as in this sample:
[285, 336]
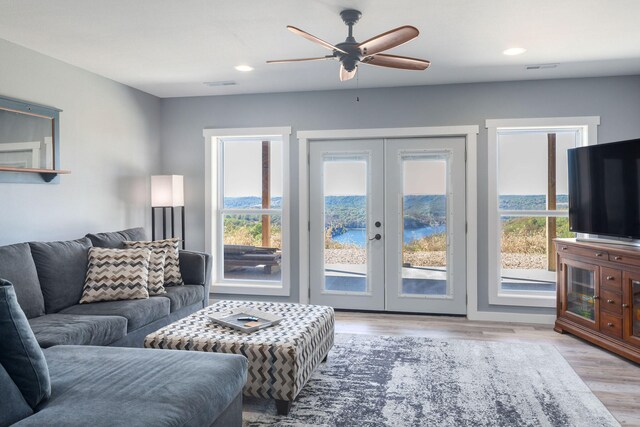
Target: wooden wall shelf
[46, 174]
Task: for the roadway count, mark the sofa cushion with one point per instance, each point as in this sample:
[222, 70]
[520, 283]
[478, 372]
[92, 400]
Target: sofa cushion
[20, 353]
[17, 266]
[138, 387]
[58, 329]
[62, 267]
[116, 274]
[13, 407]
[114, 239]
[182, 296]
[138, 312]
[172, 276]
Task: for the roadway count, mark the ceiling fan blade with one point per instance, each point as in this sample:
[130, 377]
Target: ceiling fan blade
[313, 38]
[394, 61]
[347, 75]
[282, 61]
[388, 40]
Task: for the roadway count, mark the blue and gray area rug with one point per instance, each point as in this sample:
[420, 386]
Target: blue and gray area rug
[411, 381]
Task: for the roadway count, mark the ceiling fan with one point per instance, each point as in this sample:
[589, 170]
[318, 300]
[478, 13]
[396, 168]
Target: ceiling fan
[350, 53]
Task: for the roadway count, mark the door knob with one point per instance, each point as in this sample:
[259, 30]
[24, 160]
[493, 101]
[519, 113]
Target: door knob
[376, 237]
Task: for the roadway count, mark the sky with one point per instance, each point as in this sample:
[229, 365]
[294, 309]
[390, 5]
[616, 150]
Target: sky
[243, 168]
[522, 159]
[523, 163]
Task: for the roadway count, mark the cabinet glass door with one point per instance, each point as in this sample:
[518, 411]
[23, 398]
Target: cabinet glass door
[635, 305]
[581, 290]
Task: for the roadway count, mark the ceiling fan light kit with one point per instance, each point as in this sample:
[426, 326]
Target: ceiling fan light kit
[350, 53]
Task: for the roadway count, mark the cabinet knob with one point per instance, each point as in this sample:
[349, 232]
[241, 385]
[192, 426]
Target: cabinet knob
[564, 248]
[599, 254]
[617, 258]
[625, 305]
[610, 301]
[596, 297]
[610, 325]
[610, 278]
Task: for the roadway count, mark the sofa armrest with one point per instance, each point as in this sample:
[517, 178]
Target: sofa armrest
[195, 268]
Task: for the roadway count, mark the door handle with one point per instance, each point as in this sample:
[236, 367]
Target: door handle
[376, 237]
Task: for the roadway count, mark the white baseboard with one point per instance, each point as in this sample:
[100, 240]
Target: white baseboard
[493, 316]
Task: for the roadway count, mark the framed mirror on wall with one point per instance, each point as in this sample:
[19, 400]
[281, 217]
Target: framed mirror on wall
[29, 142]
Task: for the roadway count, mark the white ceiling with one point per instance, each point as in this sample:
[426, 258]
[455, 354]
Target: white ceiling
[169, 48]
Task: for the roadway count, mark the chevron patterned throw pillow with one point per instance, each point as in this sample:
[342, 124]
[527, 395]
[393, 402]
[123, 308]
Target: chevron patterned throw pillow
[116, 274]
[172, 276]
[156, 272]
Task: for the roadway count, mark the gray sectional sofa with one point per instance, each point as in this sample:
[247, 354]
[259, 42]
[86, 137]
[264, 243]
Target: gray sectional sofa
[49, 277]
[62, 363]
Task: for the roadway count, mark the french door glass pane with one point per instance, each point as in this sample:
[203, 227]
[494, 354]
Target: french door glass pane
[635, 305]
[523, 171]
[345, 224]
[527, 253]
[252, 169]
[581, 290]
[424, 225]
[252, 247]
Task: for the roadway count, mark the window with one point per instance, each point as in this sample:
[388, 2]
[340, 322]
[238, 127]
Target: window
[248, 233]
[528, 204]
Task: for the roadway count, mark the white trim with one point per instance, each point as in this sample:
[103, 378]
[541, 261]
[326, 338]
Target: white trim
[588, 126]
[496, 316]
[212, 137]
[467, 132]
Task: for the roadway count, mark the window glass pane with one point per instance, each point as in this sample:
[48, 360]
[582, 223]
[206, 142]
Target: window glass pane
[345, 224]
[424, 220]
[523, 171]
[528, 254]
[252, 247]
[252, 169]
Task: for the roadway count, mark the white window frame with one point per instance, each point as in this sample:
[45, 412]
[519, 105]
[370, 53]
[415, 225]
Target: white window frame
[588, 127]
[213, 204]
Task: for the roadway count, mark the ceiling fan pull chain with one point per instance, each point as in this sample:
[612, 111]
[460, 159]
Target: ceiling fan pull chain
[357, 86]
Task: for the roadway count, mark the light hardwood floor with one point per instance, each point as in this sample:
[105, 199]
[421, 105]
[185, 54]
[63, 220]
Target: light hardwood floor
[614, 380]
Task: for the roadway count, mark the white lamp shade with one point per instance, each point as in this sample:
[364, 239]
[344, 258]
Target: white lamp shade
[167, 190]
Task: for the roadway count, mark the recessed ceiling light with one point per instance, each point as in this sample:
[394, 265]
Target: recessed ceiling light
[514, 51]
[243, 68]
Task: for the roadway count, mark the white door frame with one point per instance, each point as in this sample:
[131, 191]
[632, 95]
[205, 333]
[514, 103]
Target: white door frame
[468, 132]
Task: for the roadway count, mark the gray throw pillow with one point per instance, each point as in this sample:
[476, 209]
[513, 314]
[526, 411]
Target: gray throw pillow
[20, 354]
[62, 268]
[17, 266]
[114, 239]
[13, 407]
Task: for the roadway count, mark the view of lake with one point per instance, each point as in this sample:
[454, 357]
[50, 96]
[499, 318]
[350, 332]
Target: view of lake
[358, 237]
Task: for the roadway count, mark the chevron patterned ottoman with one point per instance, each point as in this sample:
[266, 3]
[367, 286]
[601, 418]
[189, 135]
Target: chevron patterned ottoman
[281, 358]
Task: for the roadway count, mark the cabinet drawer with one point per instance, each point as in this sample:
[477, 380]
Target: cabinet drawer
[611, 301]
[624, 259]
[611, 325]
[586, 252]
[611, 278]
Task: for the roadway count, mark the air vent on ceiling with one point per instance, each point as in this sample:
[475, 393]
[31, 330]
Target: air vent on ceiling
[221, 83]
[540, 66]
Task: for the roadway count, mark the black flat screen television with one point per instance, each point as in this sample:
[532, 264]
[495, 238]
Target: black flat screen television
[604, 189]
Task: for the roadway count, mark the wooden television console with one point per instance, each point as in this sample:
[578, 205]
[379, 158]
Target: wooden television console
[599, 294]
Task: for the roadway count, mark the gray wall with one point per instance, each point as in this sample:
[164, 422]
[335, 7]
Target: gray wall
[615, 99]
[109, 135]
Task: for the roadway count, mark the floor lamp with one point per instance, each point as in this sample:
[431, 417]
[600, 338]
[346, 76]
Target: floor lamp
[167, 193]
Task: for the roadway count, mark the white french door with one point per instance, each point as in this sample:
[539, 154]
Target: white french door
[387, 224]
[425, 237]
[347, 208]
